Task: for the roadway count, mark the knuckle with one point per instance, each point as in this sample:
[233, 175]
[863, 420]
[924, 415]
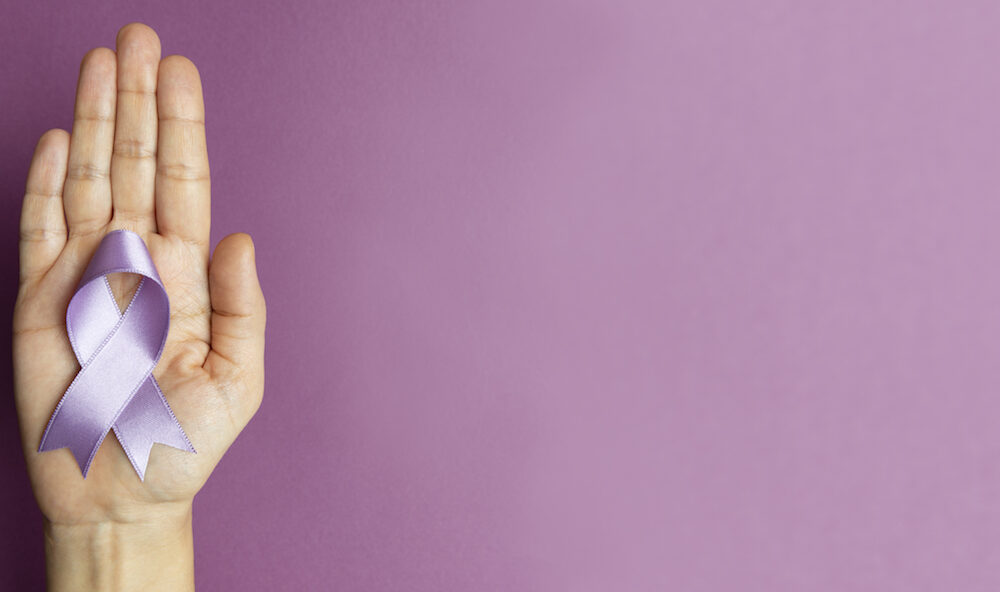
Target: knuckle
[39, 234]
[182, 171]
[133, 148]
[86, 227]
[86, 172]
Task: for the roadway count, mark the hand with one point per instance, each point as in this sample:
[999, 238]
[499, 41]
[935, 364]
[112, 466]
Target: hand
[136, 159]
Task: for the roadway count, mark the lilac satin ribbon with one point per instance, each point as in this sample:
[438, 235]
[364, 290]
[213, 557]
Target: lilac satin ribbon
[117, 351]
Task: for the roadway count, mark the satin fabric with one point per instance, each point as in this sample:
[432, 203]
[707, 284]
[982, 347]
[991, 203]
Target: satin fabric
[117, 351]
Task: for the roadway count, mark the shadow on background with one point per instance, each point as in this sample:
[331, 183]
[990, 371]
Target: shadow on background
[22, 542]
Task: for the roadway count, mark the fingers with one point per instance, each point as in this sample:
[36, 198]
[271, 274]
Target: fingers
[133, 162]
[238, 313]
[182, 175]
[43, 227]
[88, 181]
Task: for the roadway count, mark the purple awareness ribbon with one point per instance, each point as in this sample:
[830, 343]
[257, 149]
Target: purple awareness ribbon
[117, 351]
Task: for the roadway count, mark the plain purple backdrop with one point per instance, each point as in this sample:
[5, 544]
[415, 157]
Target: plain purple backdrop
[584, 296]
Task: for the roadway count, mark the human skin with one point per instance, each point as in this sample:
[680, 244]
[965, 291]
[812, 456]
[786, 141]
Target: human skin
[136, 159]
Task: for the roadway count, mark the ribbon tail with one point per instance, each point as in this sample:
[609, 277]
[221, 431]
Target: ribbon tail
[148, 419]
[81, 439]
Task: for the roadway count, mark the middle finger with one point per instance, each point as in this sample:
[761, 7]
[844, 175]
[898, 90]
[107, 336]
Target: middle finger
[133, 162]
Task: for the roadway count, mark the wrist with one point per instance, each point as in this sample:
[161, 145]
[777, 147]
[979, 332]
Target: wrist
[154, 553]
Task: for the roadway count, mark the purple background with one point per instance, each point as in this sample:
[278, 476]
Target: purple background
[584, 296]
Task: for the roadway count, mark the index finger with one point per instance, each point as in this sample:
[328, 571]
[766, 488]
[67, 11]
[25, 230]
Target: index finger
[183, 207]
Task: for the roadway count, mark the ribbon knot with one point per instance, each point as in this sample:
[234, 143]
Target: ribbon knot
[117, 351]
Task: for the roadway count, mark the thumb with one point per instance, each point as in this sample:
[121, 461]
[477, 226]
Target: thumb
[238, 312]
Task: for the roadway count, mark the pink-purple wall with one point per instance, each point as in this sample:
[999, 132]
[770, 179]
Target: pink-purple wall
[583, 296]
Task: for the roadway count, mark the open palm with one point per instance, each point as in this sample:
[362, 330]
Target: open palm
[136, 159]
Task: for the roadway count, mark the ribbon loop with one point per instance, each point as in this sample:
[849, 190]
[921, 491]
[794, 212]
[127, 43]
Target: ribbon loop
[117, 351]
